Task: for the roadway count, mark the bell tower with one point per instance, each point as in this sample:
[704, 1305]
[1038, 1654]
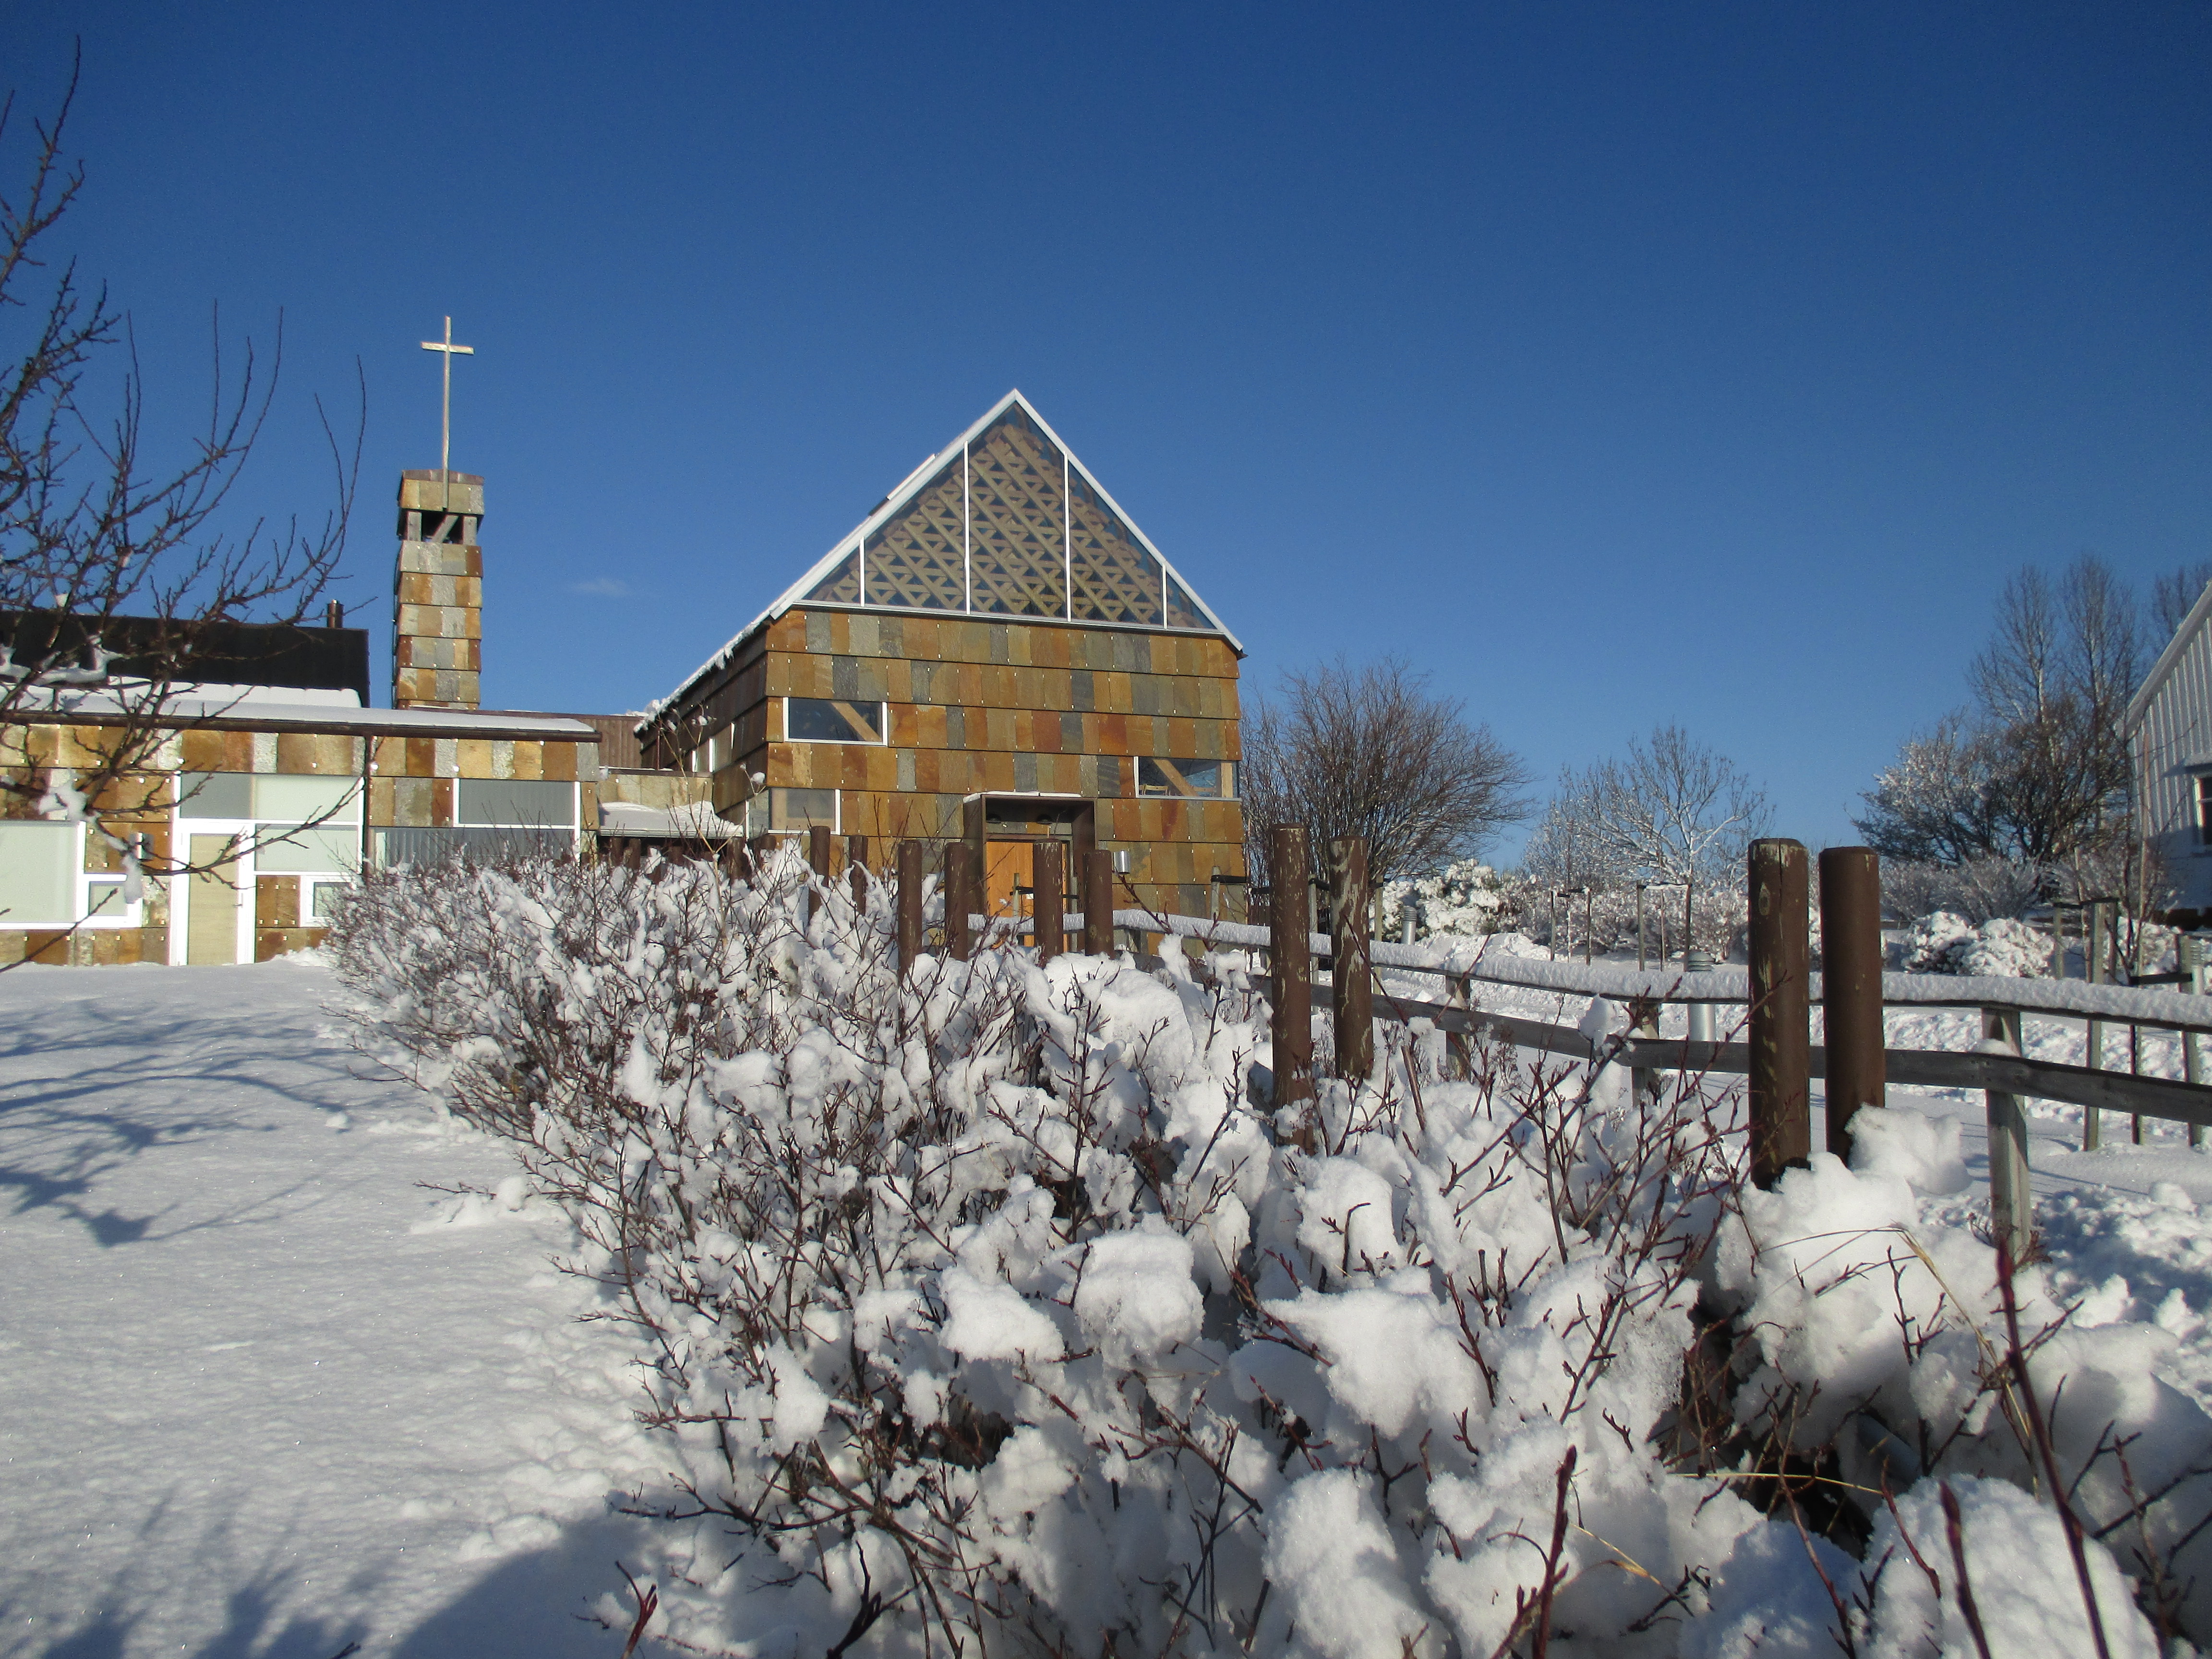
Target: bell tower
[437, 592]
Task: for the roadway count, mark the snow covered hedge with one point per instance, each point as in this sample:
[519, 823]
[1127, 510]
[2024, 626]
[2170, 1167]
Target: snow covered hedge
[2001, 948]
[995, 1304]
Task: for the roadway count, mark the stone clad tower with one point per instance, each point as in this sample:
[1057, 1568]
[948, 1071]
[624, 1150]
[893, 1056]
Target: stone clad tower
[437, 594]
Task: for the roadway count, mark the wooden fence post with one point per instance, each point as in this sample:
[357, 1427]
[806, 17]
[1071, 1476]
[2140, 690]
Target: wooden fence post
[817, 850]
[1287, 934]
[1851, 947]
[959, 901]
[1642, 1080]
[909, 904]
[2189, 959]
[1098, 902]
[1781, 1010]
[1457, 1044]
[2012, 1211]
[856, 872]
[1047, 902]
[2093, 969]
[1351, 961]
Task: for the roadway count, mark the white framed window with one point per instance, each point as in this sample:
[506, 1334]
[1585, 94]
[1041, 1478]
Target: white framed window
[1197, 780]
[833, 719]
[318, 899]
[44, 883]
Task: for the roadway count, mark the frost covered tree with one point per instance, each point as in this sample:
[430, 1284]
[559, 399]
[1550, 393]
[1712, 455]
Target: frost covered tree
[1370, 750]
[96, 530]
[1673, 809]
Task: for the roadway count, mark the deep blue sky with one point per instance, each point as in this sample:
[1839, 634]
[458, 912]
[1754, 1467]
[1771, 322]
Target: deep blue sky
[1616, 364]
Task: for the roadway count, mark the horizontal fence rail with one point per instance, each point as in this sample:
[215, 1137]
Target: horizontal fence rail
[2122, 1005]
[1922, 1068]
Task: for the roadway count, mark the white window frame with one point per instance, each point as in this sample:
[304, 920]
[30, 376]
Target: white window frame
[131, 915]
[883, 721]
[308, 885]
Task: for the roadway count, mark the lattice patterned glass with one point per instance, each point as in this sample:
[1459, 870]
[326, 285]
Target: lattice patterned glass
[842, 584]
[1182, 609]
[1116, 580]
[916, 560]
[1015, 526]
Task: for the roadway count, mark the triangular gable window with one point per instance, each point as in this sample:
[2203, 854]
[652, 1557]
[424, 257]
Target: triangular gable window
[1010, 526]
[919, 560]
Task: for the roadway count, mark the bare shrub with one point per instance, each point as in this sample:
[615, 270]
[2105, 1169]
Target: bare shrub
[993, 1302]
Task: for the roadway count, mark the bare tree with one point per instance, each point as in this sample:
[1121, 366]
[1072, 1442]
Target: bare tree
[1369, 751]
[118, 586]
[1672, 811]
[2174, 594]
[2036, 770]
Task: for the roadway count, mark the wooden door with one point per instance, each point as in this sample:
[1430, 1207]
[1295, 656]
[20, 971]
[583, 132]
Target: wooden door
[1006, 868]
[211, 906]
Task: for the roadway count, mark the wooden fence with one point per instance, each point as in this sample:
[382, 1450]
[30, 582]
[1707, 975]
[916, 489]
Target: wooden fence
[1777, 994]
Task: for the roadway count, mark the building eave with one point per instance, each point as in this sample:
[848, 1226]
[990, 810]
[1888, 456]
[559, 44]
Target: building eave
[2139, 705]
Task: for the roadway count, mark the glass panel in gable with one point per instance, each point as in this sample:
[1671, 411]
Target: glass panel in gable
[1016, 519]
[917, 559]
[1182, 609]
[842, 584]
[1116, 580]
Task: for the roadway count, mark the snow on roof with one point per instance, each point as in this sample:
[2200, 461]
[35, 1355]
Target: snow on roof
[692, 820]
[895, 502]
[255, 713]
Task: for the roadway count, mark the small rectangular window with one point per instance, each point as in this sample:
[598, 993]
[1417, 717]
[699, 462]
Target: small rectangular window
[285, 799]
[2204, 808]
[517, 803]
[323, 900]
[802, 809]
[1195, 779]
[831, 719]
[215, 794]
[291, 848]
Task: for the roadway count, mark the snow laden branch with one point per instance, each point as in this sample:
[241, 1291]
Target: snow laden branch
[992, 1305]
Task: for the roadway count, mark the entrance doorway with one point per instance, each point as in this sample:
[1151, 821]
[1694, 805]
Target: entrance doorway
[211, 905]
[1005, 831]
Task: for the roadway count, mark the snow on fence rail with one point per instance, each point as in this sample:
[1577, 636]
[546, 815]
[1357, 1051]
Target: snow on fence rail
[2121, 1005]
[1927, 1068]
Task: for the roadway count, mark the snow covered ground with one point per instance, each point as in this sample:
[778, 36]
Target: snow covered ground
[259, 1392]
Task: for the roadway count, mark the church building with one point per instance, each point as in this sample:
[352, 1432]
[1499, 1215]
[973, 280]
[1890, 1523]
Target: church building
[995, 652]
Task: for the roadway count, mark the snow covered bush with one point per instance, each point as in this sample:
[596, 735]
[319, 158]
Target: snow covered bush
[1465, 898]
[1947, 943]
[997, 1301]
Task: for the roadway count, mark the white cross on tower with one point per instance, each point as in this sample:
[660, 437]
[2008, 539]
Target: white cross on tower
[445, 438]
